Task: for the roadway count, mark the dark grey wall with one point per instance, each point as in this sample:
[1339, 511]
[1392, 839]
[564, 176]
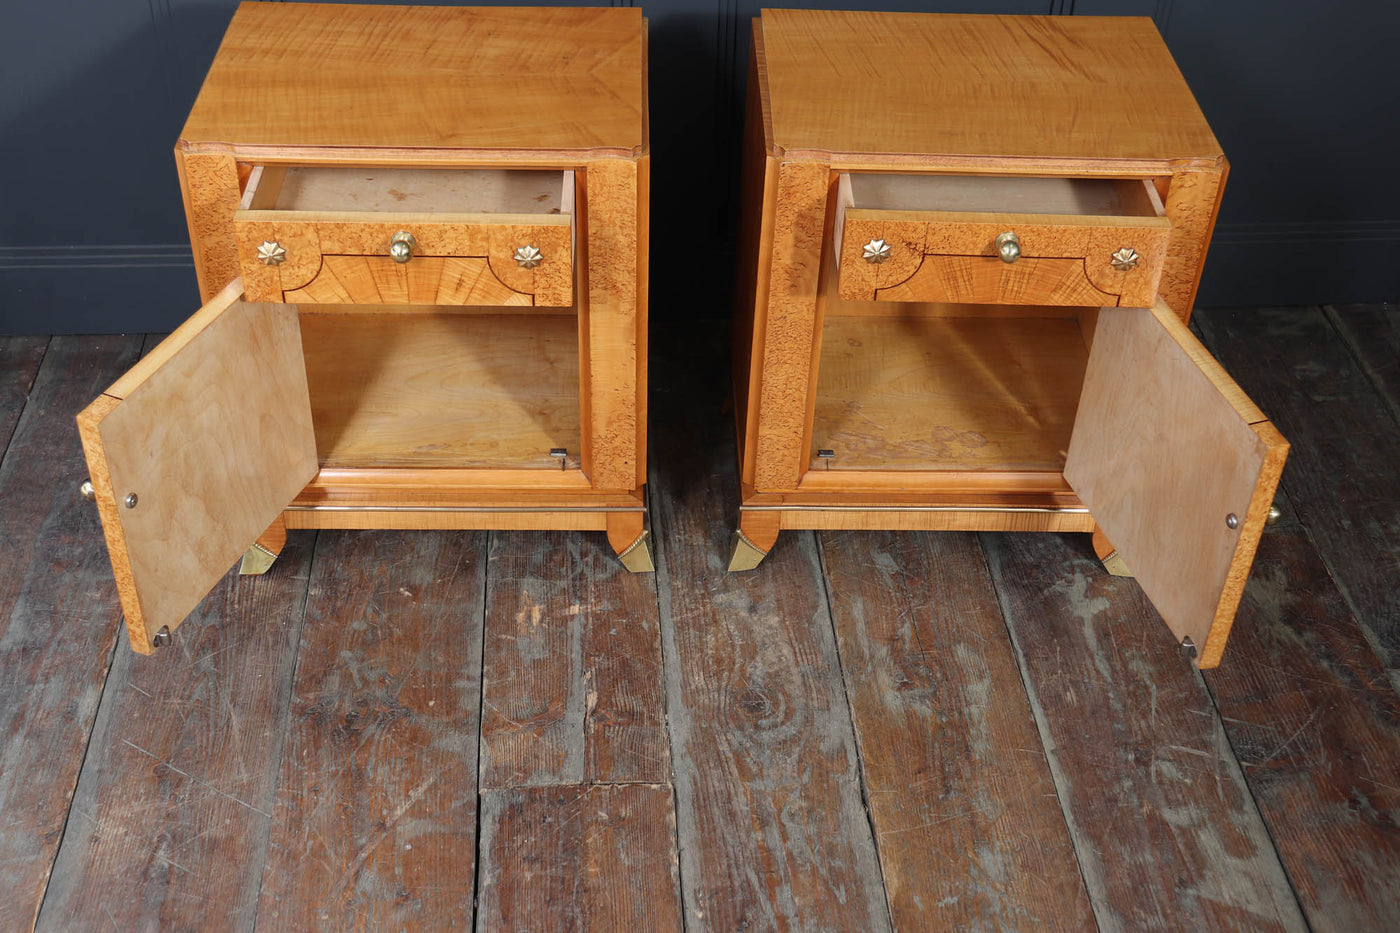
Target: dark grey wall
[1302, 95]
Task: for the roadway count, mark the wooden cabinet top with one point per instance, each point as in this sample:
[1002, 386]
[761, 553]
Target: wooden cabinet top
[304, 75]
[1049, 87]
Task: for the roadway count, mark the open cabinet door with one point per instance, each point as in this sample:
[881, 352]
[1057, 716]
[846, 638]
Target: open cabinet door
[195, 451]
[1177, 466]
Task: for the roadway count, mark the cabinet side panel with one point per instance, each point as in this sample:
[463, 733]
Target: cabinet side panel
[614, 321]
[757, 184]
[1193, 200]
[209, 184]
[790, 324]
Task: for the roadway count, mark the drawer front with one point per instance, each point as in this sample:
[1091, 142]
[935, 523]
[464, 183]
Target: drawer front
[450, 261]
[1001, 257]
[335, 235]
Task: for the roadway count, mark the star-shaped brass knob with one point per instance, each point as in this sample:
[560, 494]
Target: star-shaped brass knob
[271, 253]
[1125, 259]
[876, 251]
[528, 257]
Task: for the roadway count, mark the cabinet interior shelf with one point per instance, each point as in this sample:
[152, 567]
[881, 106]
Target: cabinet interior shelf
[443, 388]
[911, 391]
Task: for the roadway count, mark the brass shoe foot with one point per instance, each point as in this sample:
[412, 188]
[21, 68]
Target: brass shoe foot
[637, 557]
[745, 555]
[1108, 554]
[1113, 563]
[256, 560]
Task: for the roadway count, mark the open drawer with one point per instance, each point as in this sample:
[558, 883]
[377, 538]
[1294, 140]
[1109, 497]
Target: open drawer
[1000, 239]
[352, 235]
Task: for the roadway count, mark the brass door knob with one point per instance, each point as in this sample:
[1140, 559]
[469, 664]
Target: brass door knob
[401, 246]
[1009, 246]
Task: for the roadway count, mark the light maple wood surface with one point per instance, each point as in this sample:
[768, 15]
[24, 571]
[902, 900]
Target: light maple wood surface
[1048, 87]
[451, 390]
[1165, 447]
[427, 280]
[923, 393]
[212, 432]
[346, 76]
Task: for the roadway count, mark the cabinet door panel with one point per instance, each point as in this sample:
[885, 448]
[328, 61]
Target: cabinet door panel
[207, 438]
[1165, 448]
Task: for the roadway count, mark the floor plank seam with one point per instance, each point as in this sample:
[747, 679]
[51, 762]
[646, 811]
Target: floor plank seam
[77, 775]
[1368, 635]
[28, 393]
[1254, 800]
[490, 537]
[664, 625]
[855, 737]
[1333, 318]
[283, 726]
[1043, 729]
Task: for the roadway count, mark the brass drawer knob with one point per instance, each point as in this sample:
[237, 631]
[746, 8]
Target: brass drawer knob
[528, 257]
[1009, 246]
[87, 492]
[876, 251]
[1125, 259]
[401, 246]
[271, 253]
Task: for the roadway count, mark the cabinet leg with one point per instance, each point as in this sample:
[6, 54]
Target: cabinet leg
[260, 557]
[628, 538]
[753, 540]
[1107, 553]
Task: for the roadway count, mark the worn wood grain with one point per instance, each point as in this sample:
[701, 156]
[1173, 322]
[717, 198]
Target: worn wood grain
[19, 364]
[1316, 726]
[572, 858]
[571, 687]
[1167, 833]
[1342, 475]
[58, 615]
[969, 830]
[768, 796]
[170, 820]
[374, 822]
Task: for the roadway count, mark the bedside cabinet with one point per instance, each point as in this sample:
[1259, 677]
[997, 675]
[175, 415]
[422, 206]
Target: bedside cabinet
[971, 247]
[421, 237]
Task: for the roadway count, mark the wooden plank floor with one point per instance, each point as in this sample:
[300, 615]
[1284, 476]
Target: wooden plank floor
[873, 731]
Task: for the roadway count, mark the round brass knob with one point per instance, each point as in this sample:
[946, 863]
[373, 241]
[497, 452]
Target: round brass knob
[1009, 246]
[87, 491]
[401, 246]
[1275, 513]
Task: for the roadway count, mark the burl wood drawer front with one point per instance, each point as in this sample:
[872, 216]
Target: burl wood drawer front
[333, 235]
[1000, 240]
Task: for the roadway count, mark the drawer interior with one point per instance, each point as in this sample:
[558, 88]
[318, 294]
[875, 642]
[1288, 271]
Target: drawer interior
[1002, 194]
[519, 192]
